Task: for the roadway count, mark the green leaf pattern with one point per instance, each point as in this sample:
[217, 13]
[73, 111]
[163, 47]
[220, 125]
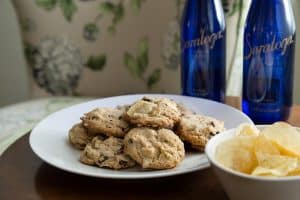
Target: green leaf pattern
[115, 10]
[137, 64]
[30, 51]
[142, 54]
[46, 4]
[171, 39]
[136, 5]
[106, 7]
[96, 62]
[91, 31]
[68, 7]
[153, 78]
[132, 65]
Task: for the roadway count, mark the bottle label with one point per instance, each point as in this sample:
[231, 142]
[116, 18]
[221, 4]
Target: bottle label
[205, 39]
[281, 45]
[268, 59]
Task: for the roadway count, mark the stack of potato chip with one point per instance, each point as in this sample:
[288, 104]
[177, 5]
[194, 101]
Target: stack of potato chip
[275, 151]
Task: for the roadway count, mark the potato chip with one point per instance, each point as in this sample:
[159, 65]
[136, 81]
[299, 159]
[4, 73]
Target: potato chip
[295, 172]
[237, 154]
[247, 130]
[261, 171]
[286, 137]
[262, 145]
[276, 165]
[273, 152]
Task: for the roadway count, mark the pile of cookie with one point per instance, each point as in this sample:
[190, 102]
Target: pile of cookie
[151, 133]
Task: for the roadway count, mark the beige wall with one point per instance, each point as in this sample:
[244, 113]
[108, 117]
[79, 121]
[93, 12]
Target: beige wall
[297, 62]
[13, 78]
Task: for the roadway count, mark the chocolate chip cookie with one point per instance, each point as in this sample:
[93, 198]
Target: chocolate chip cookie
[154, 112]
[154, 149]
[198, 129]
[79, 136]
[107, 153]
[184, 110]
[107, 121]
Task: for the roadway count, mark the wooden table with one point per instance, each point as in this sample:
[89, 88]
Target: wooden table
[24, 176]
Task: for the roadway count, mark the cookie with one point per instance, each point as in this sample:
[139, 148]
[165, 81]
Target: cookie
[198, 129]
[154, 112]
[107, 121]
[184, 110]
[107, 153]
[123, 108]
[79, 136]
[154, 149]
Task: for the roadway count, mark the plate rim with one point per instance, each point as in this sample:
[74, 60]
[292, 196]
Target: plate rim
[124, 176]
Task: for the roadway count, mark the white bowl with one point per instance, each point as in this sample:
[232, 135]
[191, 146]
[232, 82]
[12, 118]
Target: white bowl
[239, 186]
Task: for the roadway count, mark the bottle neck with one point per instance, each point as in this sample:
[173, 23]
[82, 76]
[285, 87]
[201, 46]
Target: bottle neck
[206, 10]
[267, 1]
[204, 5]
[270, 4]
[271, 14]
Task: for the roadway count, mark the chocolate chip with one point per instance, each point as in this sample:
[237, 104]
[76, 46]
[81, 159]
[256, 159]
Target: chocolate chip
[103, 158]
[147, 99]
[213, 124]
[94, 118]
[100, 137]
[120, 150]
[130, 141]
[123, 163]
[214, 133]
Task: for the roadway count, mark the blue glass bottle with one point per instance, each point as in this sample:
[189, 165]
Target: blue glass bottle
[269, 48]
[203, 49]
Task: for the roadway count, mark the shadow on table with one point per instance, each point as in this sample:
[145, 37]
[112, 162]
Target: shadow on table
[52, 183]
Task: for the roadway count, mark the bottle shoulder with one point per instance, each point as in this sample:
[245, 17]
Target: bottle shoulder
[265, 17]
[280, 30]
[203, 14]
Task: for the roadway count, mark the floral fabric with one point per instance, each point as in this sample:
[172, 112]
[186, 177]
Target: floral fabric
[102, 48]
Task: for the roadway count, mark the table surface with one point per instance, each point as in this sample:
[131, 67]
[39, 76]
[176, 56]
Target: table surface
[24, 176]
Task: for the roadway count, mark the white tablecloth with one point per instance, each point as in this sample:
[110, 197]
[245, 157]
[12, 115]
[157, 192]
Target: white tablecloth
[18, 119]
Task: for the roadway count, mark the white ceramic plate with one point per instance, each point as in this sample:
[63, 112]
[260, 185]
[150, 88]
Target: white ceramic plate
[49, 139]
